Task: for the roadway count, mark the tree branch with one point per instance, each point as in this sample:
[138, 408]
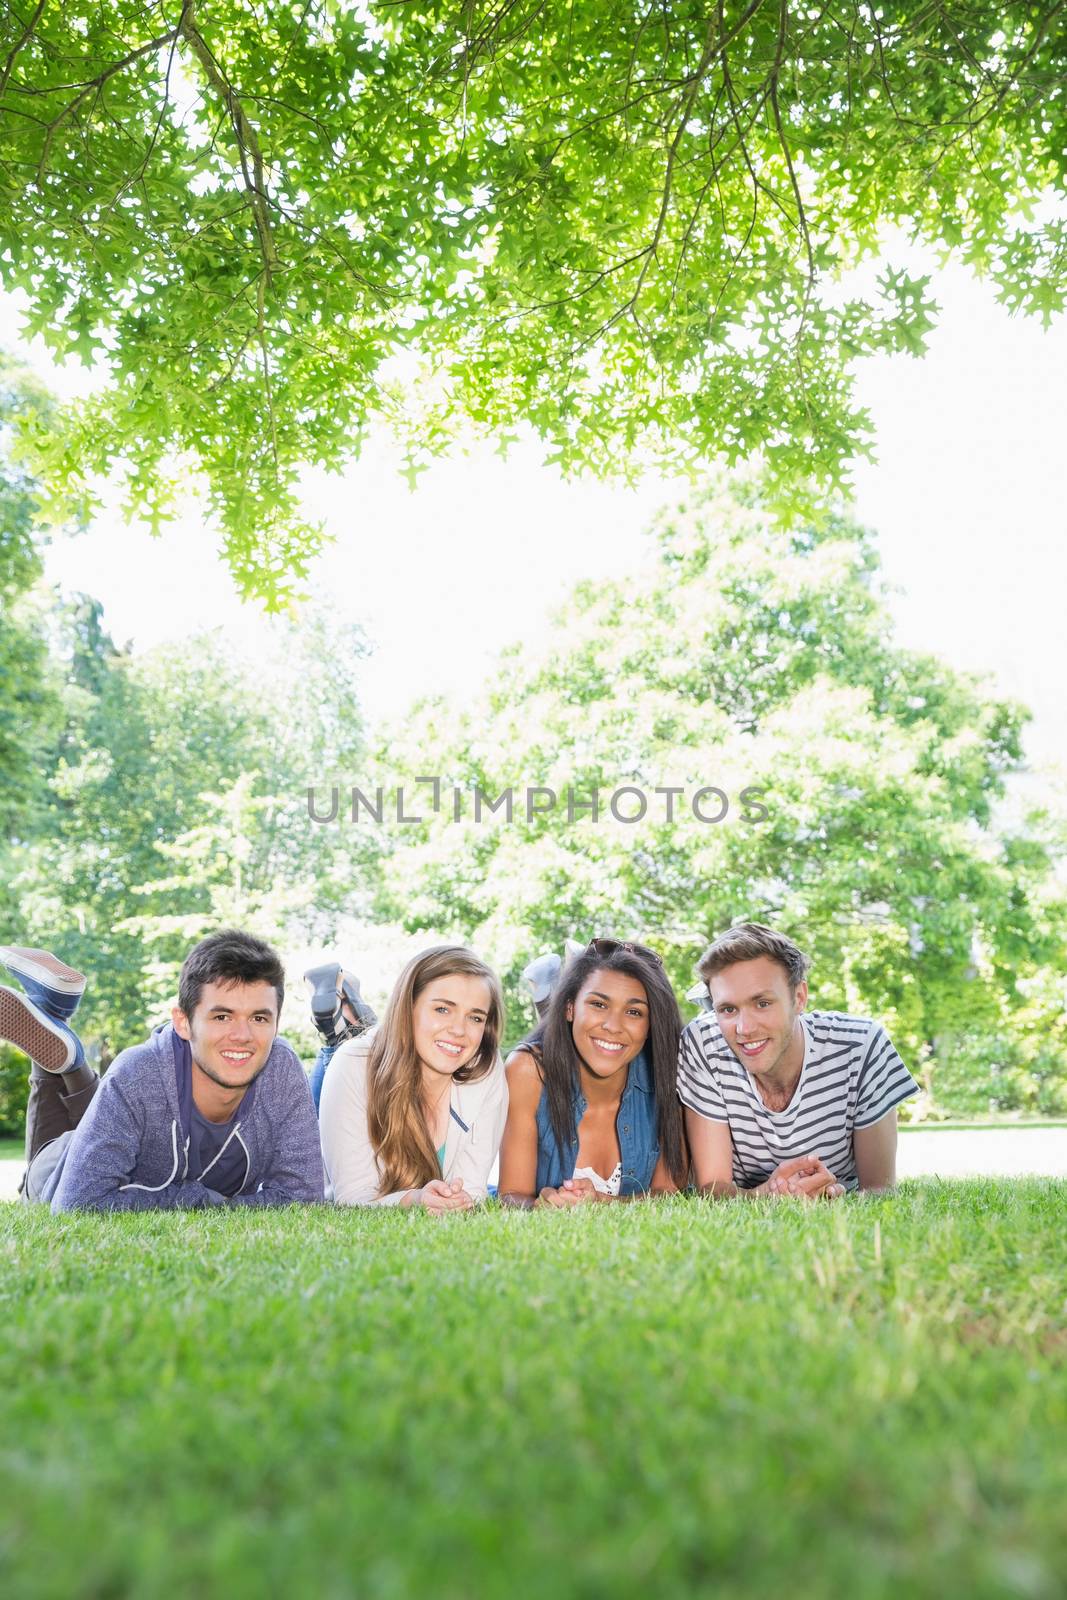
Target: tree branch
[802, 218]
[261, 332]
[22, 39]
[706, 56]
[1015, 75]
[715, 45]
[247, 140]
[147, 156]
[96, 84]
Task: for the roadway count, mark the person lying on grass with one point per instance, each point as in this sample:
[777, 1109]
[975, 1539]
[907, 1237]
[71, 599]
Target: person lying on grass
[213, 1110]
[778, 1100]
[594, 1111]
[411, 1113]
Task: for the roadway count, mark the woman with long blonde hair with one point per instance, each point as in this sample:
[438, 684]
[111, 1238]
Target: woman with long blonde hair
[413, 1112]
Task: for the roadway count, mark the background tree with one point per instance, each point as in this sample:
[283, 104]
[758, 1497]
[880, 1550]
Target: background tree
[29, 705]
[752, 659]
[143, 799]
[170, 768]
[625, 226]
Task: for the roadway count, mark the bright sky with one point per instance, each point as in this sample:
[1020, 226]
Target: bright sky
[968, 497]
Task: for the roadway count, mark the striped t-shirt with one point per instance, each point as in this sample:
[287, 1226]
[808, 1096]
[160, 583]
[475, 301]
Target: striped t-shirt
[850, 1078]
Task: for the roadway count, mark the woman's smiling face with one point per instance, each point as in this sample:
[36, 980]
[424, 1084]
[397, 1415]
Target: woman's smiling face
[449, 1020]
[609, 1021]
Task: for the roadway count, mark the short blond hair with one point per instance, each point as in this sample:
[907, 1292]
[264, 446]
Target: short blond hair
[748, 941]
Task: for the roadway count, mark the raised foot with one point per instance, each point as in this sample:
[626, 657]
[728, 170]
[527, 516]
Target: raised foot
[51, 1044]
[27, 961]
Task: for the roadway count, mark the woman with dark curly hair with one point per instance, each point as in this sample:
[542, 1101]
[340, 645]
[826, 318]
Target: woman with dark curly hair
[593, 1104]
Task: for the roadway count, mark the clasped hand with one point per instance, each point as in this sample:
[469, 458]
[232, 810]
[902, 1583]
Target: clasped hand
[571, 1192]
[437, 1197]
[805, 1177]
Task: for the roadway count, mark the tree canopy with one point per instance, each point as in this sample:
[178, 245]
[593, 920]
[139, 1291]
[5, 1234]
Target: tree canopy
[623, 225]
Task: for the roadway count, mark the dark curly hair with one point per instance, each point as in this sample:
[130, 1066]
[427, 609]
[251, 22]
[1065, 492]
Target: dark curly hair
[552, 1047]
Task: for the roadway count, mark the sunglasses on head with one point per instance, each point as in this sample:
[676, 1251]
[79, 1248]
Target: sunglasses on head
[611, 947]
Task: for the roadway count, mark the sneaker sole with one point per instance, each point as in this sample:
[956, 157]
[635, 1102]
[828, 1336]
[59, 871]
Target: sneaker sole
[29, 1031]
[42, 966]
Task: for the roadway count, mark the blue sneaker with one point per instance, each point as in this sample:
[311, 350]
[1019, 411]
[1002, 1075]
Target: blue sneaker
[48, 1042]
[52, 986]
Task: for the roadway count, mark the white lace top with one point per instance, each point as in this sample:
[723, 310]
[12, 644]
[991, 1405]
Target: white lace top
[610, 1185]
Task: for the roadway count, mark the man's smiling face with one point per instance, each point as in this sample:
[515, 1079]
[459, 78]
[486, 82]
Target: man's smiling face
[758, 1012]
[231, 1031]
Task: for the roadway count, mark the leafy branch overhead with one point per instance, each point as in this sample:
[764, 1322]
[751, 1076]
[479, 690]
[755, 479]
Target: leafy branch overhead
[620, 224]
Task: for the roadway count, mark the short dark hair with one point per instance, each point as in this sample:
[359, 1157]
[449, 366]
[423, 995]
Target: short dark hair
[748, 941]
[229, 956]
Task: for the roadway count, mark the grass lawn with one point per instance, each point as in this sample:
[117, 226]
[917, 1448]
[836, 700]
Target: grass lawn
[742, 1400]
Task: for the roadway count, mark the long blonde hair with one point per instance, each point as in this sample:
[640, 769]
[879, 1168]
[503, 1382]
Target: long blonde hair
[395, 1121]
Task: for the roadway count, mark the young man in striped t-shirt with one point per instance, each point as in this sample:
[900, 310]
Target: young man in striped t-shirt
[779, 1100]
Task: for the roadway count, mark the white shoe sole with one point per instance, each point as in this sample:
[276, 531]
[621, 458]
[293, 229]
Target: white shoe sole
[42, 966]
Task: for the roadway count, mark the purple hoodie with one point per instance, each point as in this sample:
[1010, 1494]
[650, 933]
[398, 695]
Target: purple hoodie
[130, 1152]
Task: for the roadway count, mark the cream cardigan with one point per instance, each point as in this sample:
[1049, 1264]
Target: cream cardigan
[352, 1173]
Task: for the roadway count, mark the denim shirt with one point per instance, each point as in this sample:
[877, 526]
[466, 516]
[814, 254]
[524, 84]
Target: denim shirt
[635, 1126]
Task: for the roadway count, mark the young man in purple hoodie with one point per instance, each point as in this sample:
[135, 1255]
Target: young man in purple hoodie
[214, 1109]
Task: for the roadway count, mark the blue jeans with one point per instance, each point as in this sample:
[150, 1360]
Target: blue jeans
[318, 1072]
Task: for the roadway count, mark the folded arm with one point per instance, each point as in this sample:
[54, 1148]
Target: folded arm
[99, 1170]
[875, 1152]
[805, 1177]
[518, 1149]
